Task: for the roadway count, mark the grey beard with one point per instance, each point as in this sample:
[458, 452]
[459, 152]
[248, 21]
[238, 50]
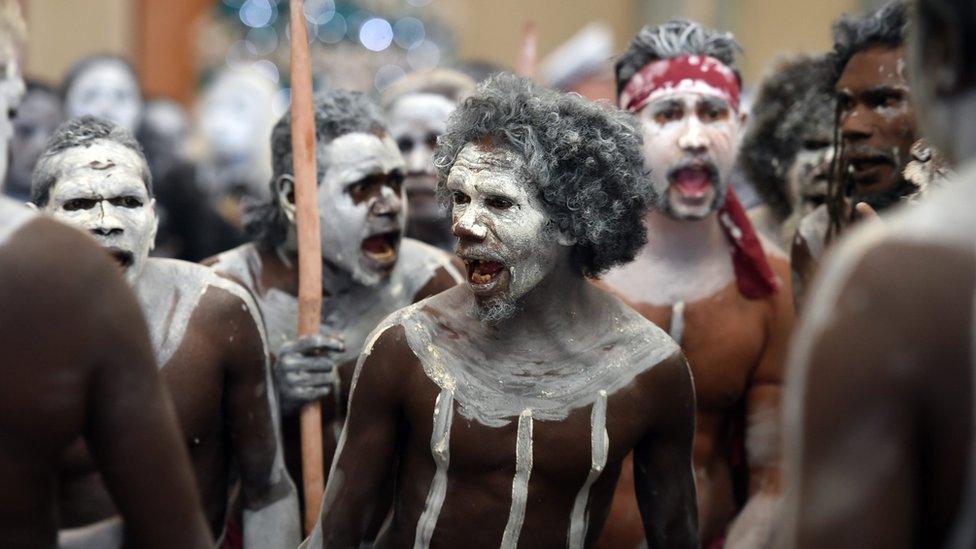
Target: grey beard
[495, 311]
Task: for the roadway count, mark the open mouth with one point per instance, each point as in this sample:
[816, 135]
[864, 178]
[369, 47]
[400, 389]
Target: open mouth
[122, 257]
[483, 273]
[864, 166]
[382, 248]
[693, 182]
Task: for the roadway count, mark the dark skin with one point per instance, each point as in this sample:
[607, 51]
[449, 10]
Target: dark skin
[877, 124]
[100, 366]
[390, 422]
[736, 349]
[217, 382]
[901, 462]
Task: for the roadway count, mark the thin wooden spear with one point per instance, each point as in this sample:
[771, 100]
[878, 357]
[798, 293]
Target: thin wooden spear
[309, 248]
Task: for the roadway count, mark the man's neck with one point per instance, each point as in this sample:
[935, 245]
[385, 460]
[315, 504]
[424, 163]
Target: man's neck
[681, 241]
[335, 281]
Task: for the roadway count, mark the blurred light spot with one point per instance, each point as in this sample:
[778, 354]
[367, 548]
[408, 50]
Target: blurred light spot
[281, 102]
[355, 21]
[425, 56]
[268, 69]
[376, 34]
[262, 41]
[319, 12]
[408, 33]
[238, 54]
[236, 4]
[387, 75]
[333, 31]
[257, 13]
[418, 3]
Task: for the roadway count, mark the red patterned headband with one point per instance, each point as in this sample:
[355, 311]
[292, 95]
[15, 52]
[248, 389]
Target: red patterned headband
[691, 73]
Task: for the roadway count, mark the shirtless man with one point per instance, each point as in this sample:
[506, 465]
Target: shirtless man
[417, 108]
[369, 270]
[880, 406]
[509, 404]
[877, 131]
[207, 341]
[706, 278]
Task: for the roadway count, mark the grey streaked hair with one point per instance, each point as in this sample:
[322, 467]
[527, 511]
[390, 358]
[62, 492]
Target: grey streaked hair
[80, 132]
[676, 38]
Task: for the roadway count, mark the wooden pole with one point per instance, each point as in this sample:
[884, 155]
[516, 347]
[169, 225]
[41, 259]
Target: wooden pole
[525, 62]
[309, 248]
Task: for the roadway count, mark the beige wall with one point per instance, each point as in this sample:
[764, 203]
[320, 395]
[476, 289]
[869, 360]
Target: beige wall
[62, 31]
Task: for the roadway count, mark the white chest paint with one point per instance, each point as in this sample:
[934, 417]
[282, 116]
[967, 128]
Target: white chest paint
[352, 315]
[491, 382]
[13, 216]
[169, 291]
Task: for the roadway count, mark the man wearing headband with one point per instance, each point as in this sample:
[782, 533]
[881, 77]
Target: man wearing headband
[705, 277]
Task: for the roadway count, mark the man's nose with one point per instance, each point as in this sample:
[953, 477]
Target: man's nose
[420, 160]
[469, 226]
[106, 223]
[692, 138]
[856, 125]
[387, 203]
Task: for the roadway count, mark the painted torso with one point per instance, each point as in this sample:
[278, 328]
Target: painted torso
[723, 335]
[523, 438]
[185, 307]
[921, 261]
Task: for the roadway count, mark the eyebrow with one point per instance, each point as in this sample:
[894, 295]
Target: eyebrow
[667, 104]
[717, 102]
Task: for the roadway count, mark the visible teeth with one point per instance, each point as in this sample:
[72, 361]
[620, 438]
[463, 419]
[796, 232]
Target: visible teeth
[382, 256]
[479, 278]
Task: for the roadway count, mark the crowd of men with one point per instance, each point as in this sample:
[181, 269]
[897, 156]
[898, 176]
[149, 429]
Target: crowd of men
[547, 320]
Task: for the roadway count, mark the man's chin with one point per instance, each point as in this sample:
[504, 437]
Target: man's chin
[691, 208]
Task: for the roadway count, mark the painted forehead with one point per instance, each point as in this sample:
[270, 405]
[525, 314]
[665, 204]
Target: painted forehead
[356, 155]
[690, 99]
[878, 66]
[480, 158]
[96, 74]
[101, 163]
[422, 106]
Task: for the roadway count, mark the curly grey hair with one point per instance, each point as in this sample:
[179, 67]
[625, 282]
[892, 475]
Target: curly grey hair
[337, 113]
[585, 160]
[80, 132]
[676, 38]
[795, 103]
[887, 26]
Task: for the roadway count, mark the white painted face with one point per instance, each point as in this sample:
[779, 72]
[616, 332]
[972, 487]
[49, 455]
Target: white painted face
[107, 89]
[416, 121]
[809, 175]
[11, 93]
[361, 205]
[504, 233]
[236, 114]
[100, 189]
[690, 143]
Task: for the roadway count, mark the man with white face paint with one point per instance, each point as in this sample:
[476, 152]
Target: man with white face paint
[882, 374]
[417, 108]
[369, 269]
[37, 117]
[787, 150]
[706, 277]
[205, 331]
[105, 86]
[508, 404]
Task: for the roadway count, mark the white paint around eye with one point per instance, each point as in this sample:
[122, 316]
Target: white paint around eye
[108, 90]
[519, 237]
[102, 171]
[344, 224]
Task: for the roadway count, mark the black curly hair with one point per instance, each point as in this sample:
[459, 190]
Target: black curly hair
[337, 113]
[675, 38]
[794, 102]
[83, 131]
[887, 26]
[584, 158]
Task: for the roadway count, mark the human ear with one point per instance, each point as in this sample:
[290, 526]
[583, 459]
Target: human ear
[285, 185]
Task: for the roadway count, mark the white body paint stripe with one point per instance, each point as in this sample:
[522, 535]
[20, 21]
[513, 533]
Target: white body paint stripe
[520, 484]
[440, 450]
[599, 447]
[677, 329]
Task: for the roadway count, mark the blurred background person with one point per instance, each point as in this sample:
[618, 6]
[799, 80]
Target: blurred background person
[38, 115]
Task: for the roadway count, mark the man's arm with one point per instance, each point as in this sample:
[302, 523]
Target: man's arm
[663, 475]
[367, 447]
[271, 516]
[131, 426]
[754, 525]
